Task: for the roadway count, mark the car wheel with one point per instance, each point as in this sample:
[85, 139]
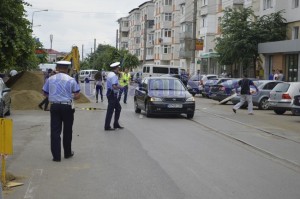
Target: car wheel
[147, 110]
[136, 109]
[263, 104]
[279, 111]
[190, 115]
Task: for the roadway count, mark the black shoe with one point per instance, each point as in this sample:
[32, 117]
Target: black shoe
[234, 110]
[109, 129]
[40, 106]
[125, 103]
[118, 127]
[70, 155]
[55, 160]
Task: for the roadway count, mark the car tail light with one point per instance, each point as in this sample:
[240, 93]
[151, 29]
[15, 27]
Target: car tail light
[286, 96]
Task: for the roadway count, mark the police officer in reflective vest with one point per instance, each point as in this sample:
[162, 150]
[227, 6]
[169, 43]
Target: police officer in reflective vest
[124, 82]
[61, 89]
[113, 88]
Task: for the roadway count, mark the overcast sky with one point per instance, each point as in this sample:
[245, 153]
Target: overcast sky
[77, 22]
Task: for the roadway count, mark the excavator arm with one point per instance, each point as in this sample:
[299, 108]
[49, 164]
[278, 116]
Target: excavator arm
[74, 58]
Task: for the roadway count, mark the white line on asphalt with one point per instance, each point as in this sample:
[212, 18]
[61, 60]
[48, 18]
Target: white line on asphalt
[33, 184]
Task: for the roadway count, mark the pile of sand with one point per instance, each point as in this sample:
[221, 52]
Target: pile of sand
[26, 91]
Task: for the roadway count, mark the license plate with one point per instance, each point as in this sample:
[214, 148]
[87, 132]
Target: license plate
[174, 105]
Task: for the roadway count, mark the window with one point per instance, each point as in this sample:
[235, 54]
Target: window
[137, 40]
[160, 70]
[168, 16]
[137, 28]
[167, 33]
[296, 32]
[137, 52]
[203, 21]
[125, 24]
[166, 49]
[182, 8]
[295, 3]
[268, 4]
[168, 2]
[149, 51]
[204, 2]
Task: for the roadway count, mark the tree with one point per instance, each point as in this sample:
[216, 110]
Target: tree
[106, 55]
[242, 32]
[16, 43]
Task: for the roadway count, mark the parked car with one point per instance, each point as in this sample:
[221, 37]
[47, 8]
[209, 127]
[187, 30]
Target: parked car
[260, 99]
[296, 105]
[87, 75]
[196, 82]
[5, 100]
[223, 90]
[209, 83]
[163, 95]
[281, 96]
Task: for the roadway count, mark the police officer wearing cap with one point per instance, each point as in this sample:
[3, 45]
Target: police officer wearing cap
[61, 89]
[113, 88]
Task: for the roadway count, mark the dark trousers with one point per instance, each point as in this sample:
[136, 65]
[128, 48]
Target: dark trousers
[46, 102]
[125, 91]
[99, 90]
[113, 106]
[62, 118]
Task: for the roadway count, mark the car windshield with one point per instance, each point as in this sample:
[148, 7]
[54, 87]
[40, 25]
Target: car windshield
[166, 84]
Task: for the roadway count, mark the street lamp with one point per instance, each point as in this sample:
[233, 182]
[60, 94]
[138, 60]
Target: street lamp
[33, 15]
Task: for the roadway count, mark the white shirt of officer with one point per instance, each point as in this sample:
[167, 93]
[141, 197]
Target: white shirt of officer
[60, 87]
[112, 79]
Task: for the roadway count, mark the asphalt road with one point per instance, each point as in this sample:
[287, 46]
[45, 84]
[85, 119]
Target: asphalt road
[217, 155]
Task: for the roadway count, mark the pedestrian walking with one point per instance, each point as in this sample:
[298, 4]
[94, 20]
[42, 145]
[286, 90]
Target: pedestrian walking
[271, 76]
[124, 82]
[245, 84]
[113, 87]
[99, 86]
[61, 90]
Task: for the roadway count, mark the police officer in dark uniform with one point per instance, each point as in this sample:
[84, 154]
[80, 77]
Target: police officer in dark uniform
[61, 89]
[113, 88]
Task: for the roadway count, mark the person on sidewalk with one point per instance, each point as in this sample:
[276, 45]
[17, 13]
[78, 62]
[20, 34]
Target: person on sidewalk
[61, 90]
[113, 88]
[99, 86]
[245, 84]
[124, 82]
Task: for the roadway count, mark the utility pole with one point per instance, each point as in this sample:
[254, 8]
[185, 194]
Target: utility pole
[117, 39]
[94, 45]
[82, 52]
[145, 40]
[193, 65]
[51, 40]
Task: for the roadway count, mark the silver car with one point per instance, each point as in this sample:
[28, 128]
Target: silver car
[281, 96]
[5, 99]
[296, 105]
[261, 98]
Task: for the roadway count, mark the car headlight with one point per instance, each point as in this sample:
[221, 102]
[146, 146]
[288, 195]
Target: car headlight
[190, 99]
[155, 99]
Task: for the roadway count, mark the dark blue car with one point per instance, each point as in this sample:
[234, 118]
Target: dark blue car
[225, 89]
[209, 85]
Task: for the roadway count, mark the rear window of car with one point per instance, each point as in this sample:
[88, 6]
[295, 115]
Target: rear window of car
[196, 77]
[281, 87]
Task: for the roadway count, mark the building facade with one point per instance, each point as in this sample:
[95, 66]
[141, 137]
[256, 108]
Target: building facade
[283, 55]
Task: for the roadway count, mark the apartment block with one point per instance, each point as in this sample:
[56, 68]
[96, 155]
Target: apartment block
[283, 55]
[123, 33]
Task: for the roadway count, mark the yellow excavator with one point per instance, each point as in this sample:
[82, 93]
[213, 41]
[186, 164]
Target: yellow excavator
[74, 58]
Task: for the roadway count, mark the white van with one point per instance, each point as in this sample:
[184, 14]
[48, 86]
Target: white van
[87, 75]
[157, 70]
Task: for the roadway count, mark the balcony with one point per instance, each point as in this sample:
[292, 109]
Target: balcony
[124, 29]
[238, 2]
[185, 54]
[165, 57]
[166, 9]
[166, 24]
[186, 35]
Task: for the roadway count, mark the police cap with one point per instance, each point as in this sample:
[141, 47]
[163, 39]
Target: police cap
[63, 63]
[116, 64]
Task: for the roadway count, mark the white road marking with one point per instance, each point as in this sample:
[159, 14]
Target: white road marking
[33, 184]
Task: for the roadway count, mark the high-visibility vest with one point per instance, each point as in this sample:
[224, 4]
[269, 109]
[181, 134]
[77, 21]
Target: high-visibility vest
[124, 80]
